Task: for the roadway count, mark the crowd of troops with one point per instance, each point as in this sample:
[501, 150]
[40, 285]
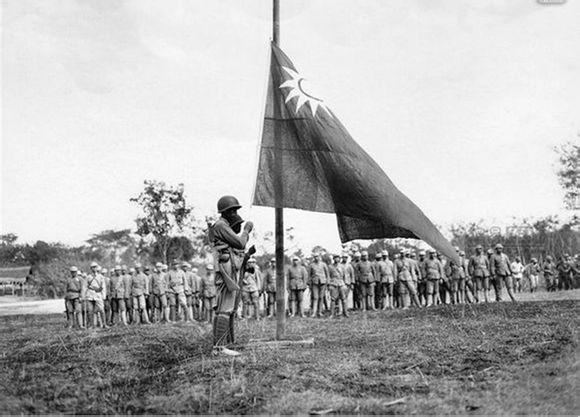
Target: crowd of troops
[144, 294]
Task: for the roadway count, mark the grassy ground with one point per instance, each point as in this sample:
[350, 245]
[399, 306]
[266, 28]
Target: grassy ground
[483, 359]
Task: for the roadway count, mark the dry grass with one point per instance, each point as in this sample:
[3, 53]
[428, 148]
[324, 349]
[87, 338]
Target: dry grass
[485, 359]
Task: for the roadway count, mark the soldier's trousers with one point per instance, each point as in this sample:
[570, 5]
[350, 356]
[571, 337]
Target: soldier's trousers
[223, 331]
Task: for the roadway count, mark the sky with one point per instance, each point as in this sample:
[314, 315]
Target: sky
[459, 102]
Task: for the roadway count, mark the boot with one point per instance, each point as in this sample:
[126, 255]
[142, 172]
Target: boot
[172, 314]
[314, 308]
[344, 313]
[79, 319]
[145, 317]
[123, 315]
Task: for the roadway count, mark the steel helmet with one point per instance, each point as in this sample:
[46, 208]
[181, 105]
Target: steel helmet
[227, 202]
[74, 269]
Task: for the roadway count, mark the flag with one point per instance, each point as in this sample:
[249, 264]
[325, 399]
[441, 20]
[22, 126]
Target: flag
[325, 170]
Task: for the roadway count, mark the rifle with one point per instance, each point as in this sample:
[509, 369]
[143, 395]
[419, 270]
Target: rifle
[241, 273]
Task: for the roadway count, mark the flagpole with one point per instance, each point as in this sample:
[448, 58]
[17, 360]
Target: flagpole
[278, 195]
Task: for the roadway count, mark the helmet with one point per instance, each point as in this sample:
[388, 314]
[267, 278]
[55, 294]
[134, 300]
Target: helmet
[378, 255]
[104, 271]
[499, 246]
[357, 254]
[158, 265]
[422, 253]
[209, 267]
[117, 268]
[385, 253]
[94, 264]
[74, 269]
[479, 247]
[227, 202]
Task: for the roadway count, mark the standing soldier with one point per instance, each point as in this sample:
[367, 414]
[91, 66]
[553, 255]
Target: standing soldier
[138, 289]
[422, 286]
[532, 273]
[95, 286]
[117, 293]
[148, 299]
[158, 289]
[389, 273]
[356, 293]
[176, 292]
[564, 268]
[468, 287]
[518, 271]
[365, 271]
[106, 296]
[196, 294]
[444, 284]
[189, 288]
[269, 288]
[208, 293]
[415, 270]
[251, 290]
[403, 267]
[454, 273]
[478, 268]
[337, 287]
[433, 274]
[501, 272]
[296, 277]
[382, 275]
[318, 279]
[73, 299]
[349, 279]
[228, 245]
[550, 275]
[128, 282]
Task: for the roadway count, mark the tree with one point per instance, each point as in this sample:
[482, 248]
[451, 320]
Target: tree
[8, 239]
[569, 173]
[164, 214]
[114, 246]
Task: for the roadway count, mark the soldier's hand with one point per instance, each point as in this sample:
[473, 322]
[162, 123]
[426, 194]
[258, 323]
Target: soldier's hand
[248, 227]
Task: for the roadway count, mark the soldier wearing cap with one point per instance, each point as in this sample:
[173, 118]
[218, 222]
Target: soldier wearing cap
[158, 293]
[466, 287]
[208, 292]
[366, 273]
[251, 285]
[196, 294]
[532, 273]
[349, 278]
[228, 244]
[128, 282]
[517, 268]
[117, 294]
[139, 287]
[72, 299]
[296, 279]
[455, 275]
[269, 288]
[383, 272]
[501, 273]
[176, 293]
[422, 284]
[94, 298]
[337, 287]
[356, 291]
[478, 268]
[433, 273]
[550, 274]
[189, 288]
[106, 296]
[403, 274]
[318, 279]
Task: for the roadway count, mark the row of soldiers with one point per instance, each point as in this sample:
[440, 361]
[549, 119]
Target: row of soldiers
[139, 295]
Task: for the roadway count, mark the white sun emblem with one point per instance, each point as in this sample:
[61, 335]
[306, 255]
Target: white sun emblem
[295, 84]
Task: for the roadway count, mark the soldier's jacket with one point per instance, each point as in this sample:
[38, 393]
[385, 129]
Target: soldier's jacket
[454, 271]
[228, 248]
[175, 281]
[251, 281]
[479, 266]
[138, 284]
[517, 269]
[433, 269]
[336, 276]
[73, 287]
[95, 284]
[106, 280]
[549, 268]
[564, 268]
[532, 269]
[348, 272]
[500, 265]
[366, 272]
[128, 282]
[415, 271]
[270, 280]
[208, 288]
[354, 265]
[190, 286]
[403, 269]
[158, 283]
[318, 273]
[385, 271]
[297, 277]
[117, 286]
[464, 263]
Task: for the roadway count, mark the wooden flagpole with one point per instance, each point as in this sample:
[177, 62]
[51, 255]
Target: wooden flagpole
[278, 195]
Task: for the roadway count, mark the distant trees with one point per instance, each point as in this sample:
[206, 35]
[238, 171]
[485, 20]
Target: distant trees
[569, 173]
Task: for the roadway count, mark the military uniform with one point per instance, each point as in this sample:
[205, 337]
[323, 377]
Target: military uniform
[72, 299]
[117, 294]
[366, 274]
[128, 282]
[251, 292]
[550, 274]
[297, 278]
[139, 288]
[386, 281]
[94, 297]
[501, 273]
[349, 280]
[157, 289]
[532, 273]
[208, 292]
[403, 272]
[433, 273]
[478, 269]
[337, 289]
[176, 293]
[318, 279]
[269, 289]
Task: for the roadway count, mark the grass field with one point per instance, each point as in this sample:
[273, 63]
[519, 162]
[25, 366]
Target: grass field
[483, 359]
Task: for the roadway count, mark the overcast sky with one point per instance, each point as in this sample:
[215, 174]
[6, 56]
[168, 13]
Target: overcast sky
[459, 102]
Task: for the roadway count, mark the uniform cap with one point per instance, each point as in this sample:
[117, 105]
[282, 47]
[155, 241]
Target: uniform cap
[138, 265]
[378, 255]
[227, 202]
[74, 269]
[461, 253]
[357, 254]
[94, 264]
[146, 268]
[421, 253]
[431, 251]
[365, 253]
[403, 250]
[344, 255]
[489, 251]
[479, 247]
[534, 260]
[252, 260]
[124, 267]
[385, 253]
[104, 271]
[186, 265]
[209, 267]
[499, 246]
[295, 258]
[117, 268]
[131, 270]
[158, 265]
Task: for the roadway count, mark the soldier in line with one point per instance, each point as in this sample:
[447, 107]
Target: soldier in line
[208, 293]
[550, 274]
[422, 285]
[366, 273]
[454, 273]
[501, 273]
[251, 284]
[93, 297]
[128, 283]
[349, 278]
[148, 298]
[518, 272]
[532, 273]
[176, 293]
[469, 291]
[189, 288]
[433, 273]
[444, 284]
[139, 289]
[117, 294]
[318, 279]
[337, 288]
[158, 293]
[106, 295]
[384, 271]
[228, 244]
[415, 270]
[296, 278]
[356, 294]
[402, 269]
[566, 270]
[72, 299]
[269, 288]
[478, 268]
